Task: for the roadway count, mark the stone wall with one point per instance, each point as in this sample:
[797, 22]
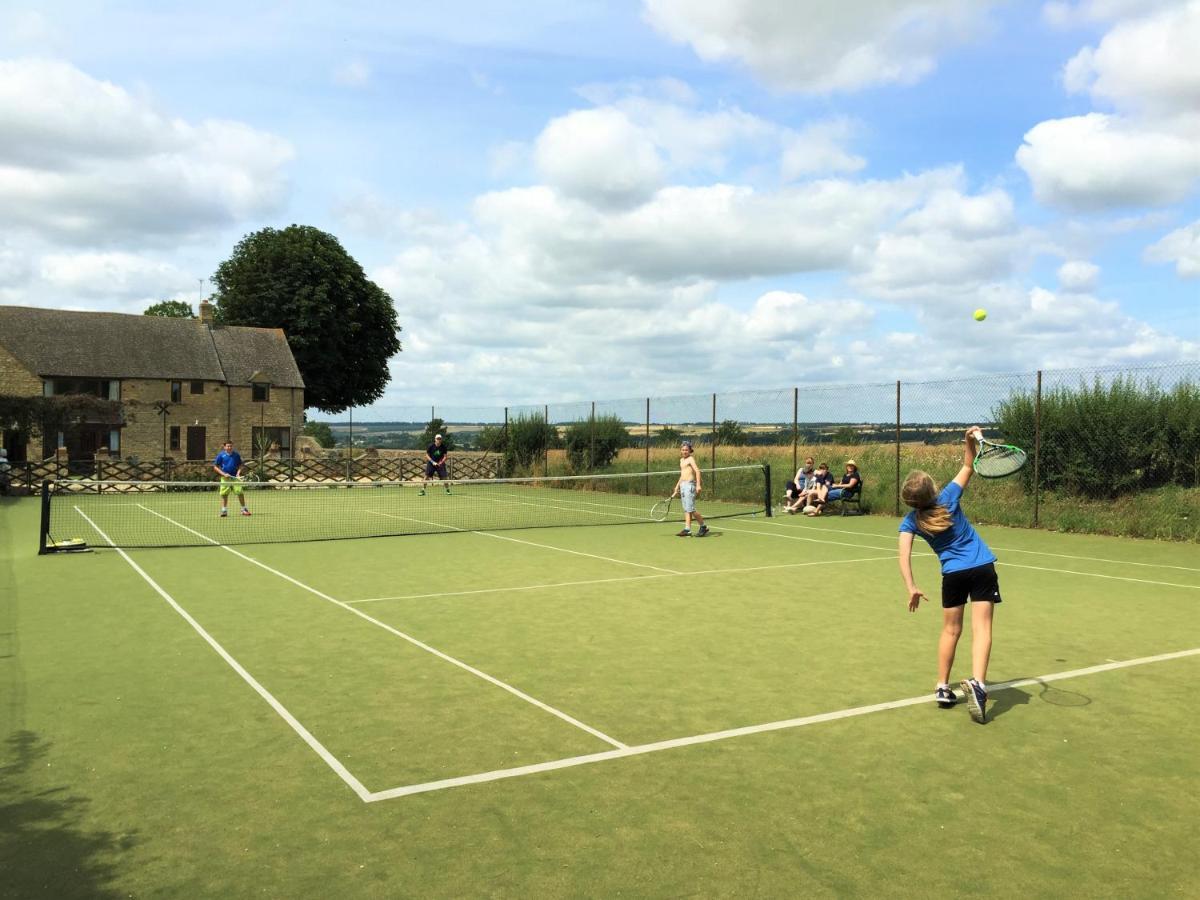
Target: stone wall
[225, 412]
[17, 381]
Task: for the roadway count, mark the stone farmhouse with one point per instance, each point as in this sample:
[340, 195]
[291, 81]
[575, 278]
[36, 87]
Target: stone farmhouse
[185, 385]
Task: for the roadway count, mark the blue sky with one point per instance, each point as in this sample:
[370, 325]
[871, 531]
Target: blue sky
[584, 200]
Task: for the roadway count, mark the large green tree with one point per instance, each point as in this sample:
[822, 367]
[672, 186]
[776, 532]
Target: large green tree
[171, 309]
[340, 325]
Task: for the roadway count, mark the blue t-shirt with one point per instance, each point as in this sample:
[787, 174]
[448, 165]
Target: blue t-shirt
[229, 463]
[959, 547]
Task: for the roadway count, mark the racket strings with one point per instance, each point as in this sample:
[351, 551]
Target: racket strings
[996, 462]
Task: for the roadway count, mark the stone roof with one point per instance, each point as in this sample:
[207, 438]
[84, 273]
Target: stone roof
[65, 343]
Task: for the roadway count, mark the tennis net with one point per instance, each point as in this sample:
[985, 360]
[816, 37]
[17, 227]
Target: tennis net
[179, 514]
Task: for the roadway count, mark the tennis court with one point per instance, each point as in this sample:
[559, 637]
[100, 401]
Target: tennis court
[588, 711]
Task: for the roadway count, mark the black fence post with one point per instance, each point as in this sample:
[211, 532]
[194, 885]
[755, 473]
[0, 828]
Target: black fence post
[647, 446]
[897, 448]
[795, 429]
[1037, 449]
[767, 488]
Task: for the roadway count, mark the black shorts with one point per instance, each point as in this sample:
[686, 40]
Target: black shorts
[980, 583]
[432, 469]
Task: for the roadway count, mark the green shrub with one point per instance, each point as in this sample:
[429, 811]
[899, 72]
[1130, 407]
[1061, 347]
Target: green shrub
[529, 437]
[594, 443]
[1102, 441]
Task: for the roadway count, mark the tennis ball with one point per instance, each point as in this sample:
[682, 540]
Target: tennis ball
[980, 315]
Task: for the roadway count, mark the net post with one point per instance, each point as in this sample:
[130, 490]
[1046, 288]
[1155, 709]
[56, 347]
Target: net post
[1037, 448]
[767, 487]
[44, 528]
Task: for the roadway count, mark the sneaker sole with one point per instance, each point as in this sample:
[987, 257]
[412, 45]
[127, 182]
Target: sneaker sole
[978, 713]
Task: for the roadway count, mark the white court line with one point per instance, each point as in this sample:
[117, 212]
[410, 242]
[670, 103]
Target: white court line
[400, 634]
[1100, 559]
[711, 737]
[791, 537]
[502, 537]
[306, 736]
[535, 587]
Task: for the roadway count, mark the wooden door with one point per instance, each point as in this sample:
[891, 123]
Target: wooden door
[196, 445]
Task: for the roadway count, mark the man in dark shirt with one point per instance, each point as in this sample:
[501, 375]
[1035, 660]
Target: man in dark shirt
[435, 462]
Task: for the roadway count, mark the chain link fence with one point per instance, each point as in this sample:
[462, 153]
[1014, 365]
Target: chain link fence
[1112, 450]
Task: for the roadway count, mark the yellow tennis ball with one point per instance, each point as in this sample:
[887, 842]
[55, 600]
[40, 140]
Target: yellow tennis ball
[980, 315]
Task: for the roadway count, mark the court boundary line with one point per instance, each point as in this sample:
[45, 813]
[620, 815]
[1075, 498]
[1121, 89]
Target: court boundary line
[999, 562]
[534, 587]
[781, 725]
[479, 673]
[775, 520]
[282, 711]
[504, 537]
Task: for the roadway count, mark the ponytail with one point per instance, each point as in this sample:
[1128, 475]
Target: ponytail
[920, 493]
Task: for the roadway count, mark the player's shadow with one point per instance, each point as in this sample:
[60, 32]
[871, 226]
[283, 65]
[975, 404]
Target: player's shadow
[1003, 701]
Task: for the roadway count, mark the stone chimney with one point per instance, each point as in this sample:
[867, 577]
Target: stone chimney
[206, 313]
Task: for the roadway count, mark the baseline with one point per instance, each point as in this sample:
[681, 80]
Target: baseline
[999, 562]
[674, 743]
[516, 692]
[1099, 559]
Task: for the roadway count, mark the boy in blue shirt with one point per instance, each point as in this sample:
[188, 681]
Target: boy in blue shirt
[228, 465]
[967, 570]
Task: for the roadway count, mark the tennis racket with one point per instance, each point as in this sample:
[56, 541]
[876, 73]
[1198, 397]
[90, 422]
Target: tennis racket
[660, 510]
[997, 460]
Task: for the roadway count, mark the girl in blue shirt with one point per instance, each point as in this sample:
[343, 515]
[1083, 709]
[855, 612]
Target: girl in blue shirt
[967, 570]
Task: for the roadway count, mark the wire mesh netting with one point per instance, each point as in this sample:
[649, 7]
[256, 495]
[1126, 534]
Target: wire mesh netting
[1110, 449]
[174, 514]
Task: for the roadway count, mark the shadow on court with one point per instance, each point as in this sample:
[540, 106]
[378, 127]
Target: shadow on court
[1045, 692]
[44, 851]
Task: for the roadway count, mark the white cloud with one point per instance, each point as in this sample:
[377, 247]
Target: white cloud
[113, 275]
[819, 148]
[945, 249]
[1145, 64]
[599, 156]
[1147, 153]
[822, 47]
[1078, 275]
[85, 161]
[1099, 161]
[353, 73]
[1182, 247]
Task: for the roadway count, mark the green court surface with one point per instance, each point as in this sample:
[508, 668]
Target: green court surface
[581, 711]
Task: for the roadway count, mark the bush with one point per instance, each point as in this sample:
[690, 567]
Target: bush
[529, 437]
[594, 443]
[730, 433]
[1103, 441]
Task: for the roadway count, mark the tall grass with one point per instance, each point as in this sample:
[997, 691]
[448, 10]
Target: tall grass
[1169, 512]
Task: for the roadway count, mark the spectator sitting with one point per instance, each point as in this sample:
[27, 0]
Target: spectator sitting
[814, 497]
[5, 468]
[850, 484]
[794, 491]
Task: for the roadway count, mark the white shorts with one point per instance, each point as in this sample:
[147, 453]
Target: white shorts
[687, 495]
